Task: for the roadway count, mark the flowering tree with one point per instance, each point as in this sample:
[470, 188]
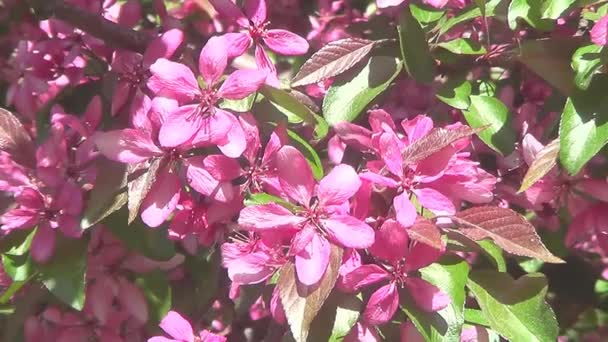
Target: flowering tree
[213, 170]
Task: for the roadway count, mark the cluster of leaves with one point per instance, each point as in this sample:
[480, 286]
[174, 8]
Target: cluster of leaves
[271, 202]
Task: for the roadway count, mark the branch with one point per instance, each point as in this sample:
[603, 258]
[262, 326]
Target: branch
[111, 33]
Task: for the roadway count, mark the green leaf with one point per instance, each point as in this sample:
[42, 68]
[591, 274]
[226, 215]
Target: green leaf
[463, 46]
[17, 261]
[471, 12]
[336, 318]
[109, 193]
[491, 112]
[150, 242]
[431, 325]
[474, 316]
[424, 14]
[302, 303]
[530, 11]
[585, 62]
[482, 6]
[64, 275]
[354, 90]
[415, 49]
[553, 9]
[157, 290]
[494, 253]
[450, 275]
[583, 128]
[309, 153]
[241, 106]
[294, 110]
[260, 198]
[455, 92]
[516, 309]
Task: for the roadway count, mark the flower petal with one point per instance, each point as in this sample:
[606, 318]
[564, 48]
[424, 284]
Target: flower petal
[177, 327]
[435, 201]
[295, 175]
[285, 42]
[267, 216]
[349, 231]
[43, 244]
[181, 125]
[127, 145]
[199, 178]
[213, 60]
[237, 43]
[338, 186]
[241, 84]
[173, 79]
[404, 210]
[427, 296]
[311, 263]
[382, 305]
[255, 10]
[214, 128]
[363, 276]
[391, 242]
[161, 200]
[163, 46]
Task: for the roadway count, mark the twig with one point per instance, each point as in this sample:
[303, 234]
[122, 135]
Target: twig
[94, 24]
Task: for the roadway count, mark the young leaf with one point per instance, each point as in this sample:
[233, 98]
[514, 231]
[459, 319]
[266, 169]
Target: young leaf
[17, 262]
[585, 62]
[15, 140]
[490, 112]
[64, 275]
[425, 15]
[349, 95]
[109, 193]
[302, 303]
[336, 318]
[139, 187]
[463, 46]
[157, 290]
[516, 309]
[291, 107]
[241, 106]
[553, 9]
[435, 141]
[530, 11]
[456, 92]
[425, 231]
[474, 316]
[260, 198]
[507, 228]
[583, 128]
[332, 60]
[415, 48]
[450, 275]
[471, 12]
[545, 160]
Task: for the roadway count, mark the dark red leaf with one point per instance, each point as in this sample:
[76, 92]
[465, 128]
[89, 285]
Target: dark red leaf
[425, 231]
[14, 138]
[435, 141]
[507, 228]
[332, 60]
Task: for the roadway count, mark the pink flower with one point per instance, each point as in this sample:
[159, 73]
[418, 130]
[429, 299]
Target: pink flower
[320, 221]
[198, 119]
[397, 263]
[254, 21]
[180, 330]
[599, 32]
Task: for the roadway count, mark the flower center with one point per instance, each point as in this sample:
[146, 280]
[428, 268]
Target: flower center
[258, 32]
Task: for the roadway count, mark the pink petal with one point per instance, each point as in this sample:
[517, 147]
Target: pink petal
[93, 114]
[252, 137]
[391, 154]
[213, 60]
[222, 167]
[436, 3]
[286, 43]
[132, 299]
[236, 141]
[354, 135]
[363, 276]
[214, 128]
[177, 327]
[202, 181]
[302, 239]
[388, 3]
[338, 186]
[163, 46]
[391, 242]
[19, 218]
[312, 262]
[256, 11]
[382, 305]
[181, 126]
[162, 339]
[241, 84]
[295, 175]
[404, 210]
[127, 145]
[421, 255]
[427, 296]
[435, 201]
[378, 179]
[267, 216]
[335, 149]
[417, 128]
[237, 43]
[161, 109]
[230, 10]
[599, 31]
[140, 106]
[173, 80]
[363, 332]
[409, 333]
[348, 231]
[43, 244]
[251, 268]
[161, 200]
[264, 63]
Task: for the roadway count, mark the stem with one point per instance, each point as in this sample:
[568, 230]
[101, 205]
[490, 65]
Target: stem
[111, 33]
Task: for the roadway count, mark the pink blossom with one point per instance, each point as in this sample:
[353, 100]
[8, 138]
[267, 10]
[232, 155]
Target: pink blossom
[599, 31]
[180, 330]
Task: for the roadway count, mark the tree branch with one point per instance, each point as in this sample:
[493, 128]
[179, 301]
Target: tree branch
[111, 33]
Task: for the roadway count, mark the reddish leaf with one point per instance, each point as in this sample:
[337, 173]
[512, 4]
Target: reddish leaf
[332, 60]
[425, 231]
[302, 303]
[507, 228]
[139, 187]
[435, 141]
[14, 138]
[544, 161]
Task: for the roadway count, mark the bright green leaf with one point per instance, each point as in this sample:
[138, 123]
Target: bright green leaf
[463, 46]
[157, 290]
[260, 198]
[425, 15]
[494, 253]
[584, 125]
[585, 62]
[338, 315]
[516, 309]
[553, 9]
[491, 112]
[64, 275]
[474, 316]
[309, 153]
[471, 12]
[242, 105]
[349, 95]
[17, 261]
[415, 49]
[455, 92]
[530, 11]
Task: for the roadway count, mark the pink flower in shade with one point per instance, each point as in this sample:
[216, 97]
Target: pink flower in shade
[599, 31]
[589, 230]
[319, 221]
[181, 330]
[254, 21]
[198, 119]
[397, 261]
[210, 175]
[133, 72]
[59, 210]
